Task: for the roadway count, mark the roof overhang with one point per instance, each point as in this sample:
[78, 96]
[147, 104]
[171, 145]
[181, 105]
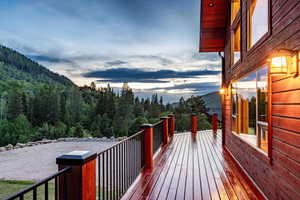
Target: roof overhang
[213, 25]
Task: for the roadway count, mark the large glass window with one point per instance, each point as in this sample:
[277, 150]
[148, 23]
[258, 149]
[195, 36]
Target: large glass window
[237, 44]
[258, 20]
[250, 108]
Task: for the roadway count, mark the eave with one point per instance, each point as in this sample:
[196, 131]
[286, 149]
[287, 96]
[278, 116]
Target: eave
[213, 25]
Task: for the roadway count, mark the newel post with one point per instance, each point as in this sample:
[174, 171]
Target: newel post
[148, 152]
[165, 130]
[171, 124]
[80, 182]
[194, 125]
[215, 122]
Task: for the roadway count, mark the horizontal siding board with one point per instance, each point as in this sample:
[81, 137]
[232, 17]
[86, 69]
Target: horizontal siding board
[289, 97]
[286, 110]
[286, 149]
[286, 123]
[287, 136]
[289, 164]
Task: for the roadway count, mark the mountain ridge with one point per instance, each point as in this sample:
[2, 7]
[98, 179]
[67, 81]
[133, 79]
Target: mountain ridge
[16, 66]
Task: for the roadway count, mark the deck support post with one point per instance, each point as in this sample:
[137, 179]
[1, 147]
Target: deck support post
[194, 125]
[171, 124]
[165, 130]
[148, 152]
[80, 182]
[215, 122]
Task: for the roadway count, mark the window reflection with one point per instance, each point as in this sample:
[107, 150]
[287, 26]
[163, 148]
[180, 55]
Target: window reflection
[250, 108]
[257, 20]
[237, 44]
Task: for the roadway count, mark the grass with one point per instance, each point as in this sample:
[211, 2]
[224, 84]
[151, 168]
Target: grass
[9, 187]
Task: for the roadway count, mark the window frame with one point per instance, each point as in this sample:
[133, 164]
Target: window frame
[237, 21]
[265, 36]
[267, 154]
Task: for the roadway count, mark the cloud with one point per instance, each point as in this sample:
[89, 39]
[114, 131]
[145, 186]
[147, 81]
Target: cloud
[122, 74]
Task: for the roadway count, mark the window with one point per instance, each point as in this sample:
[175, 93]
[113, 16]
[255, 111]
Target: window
[235, 9]
[250, 108]
[236, 40]
[258, 20]
[236, 31]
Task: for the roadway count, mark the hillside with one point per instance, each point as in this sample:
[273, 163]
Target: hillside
[15, 66]
[213, 102]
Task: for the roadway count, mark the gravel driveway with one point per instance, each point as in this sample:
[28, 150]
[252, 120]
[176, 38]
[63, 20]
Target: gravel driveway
[38, 162]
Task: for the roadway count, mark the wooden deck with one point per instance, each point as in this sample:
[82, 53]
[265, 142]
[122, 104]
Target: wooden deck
[193, 169]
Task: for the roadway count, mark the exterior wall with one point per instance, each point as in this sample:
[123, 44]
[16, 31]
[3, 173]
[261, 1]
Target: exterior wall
[279, 176]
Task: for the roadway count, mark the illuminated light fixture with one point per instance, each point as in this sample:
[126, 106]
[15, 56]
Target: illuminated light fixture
[284, 62]
[222, 91]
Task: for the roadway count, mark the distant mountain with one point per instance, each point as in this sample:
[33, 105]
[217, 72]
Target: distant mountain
[15, 66]
[213, 102]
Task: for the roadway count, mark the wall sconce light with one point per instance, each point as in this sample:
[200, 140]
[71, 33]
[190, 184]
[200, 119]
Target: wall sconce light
[283, 62]
[222, 91]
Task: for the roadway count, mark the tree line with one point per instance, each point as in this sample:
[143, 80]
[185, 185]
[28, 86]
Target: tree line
[34, 111]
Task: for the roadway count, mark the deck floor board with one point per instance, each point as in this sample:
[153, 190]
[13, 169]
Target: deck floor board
[193, 169]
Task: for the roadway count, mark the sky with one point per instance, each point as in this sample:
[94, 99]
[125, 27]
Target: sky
[152, 45]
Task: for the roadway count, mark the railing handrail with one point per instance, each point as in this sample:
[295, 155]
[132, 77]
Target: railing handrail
[34, 186]
[158, 123]
[122, 141]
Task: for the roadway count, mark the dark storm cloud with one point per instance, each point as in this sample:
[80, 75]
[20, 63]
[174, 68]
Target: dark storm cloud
[115, 63]
[140, 75]
[131, 80]
[194, 86]
[50, 59]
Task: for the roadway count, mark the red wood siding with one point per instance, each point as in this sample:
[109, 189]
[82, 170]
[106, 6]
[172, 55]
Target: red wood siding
[281, 178]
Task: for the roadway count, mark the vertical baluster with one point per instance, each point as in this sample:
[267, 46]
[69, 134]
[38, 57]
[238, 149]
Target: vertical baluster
[123, 168]
[113, 173]
[46, 191]
[22, 197]
[110, 176]
[127, 164]
[120, 168]
[118, 171]
[55, 188]
[34, 194]
[65, 186]
[103, 177]
[107, 179]
[134, 151]
[99, 175]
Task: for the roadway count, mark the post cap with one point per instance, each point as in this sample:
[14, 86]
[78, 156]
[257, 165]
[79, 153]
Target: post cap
[146, 126]
[76, 158]
[171, 115]
[164, 118]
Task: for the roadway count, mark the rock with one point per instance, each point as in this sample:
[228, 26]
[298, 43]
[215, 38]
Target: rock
[2, 149]
[60, 139]
[19, 145]
[9, 147]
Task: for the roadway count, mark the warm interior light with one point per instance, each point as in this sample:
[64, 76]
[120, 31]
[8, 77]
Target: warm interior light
[222, 91]
[283, 62]
[279, 61]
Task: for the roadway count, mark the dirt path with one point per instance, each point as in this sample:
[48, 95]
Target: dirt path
[38, 162]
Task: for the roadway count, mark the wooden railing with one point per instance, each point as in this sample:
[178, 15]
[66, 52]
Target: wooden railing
[157, 136]
[119, 166]
[32, 191]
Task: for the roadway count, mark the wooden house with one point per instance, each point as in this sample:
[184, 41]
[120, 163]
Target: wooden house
[259, 42]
